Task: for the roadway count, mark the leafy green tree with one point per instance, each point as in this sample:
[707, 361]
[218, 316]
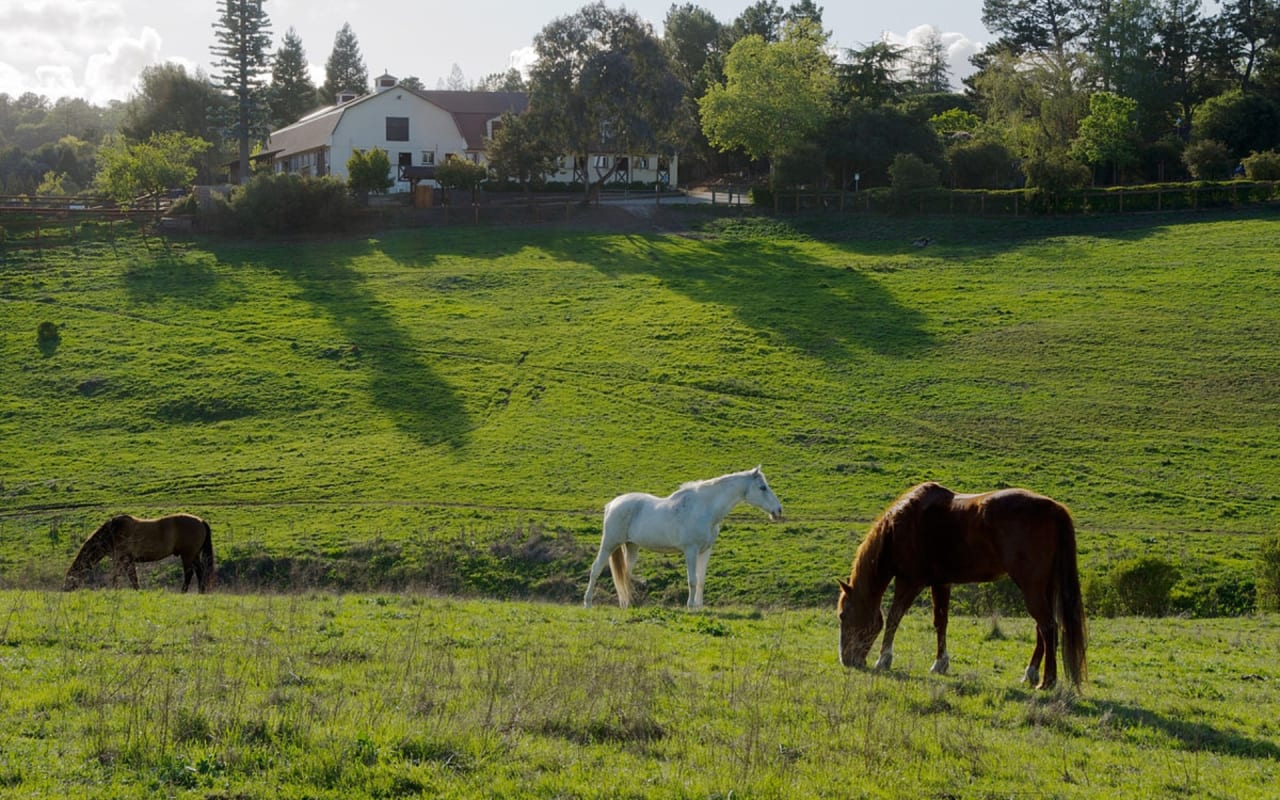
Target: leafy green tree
[863, 139]
[873, 74]
[1182, 51]
[1251, 34]
[1108, 134]
[1244, 122]
[763, 18]
[517, 152]
[459, 173]
[775, 95]
[695, 42]
[128, 172]
[369, 172]
[509, 81]
[602, 79]
[1262, 166]
[955, 120]
[1208, 160]
[1040, 26]
[927, 65]
[981, 164]
[242, 35]
[345, 69]
[910, 173]
[292, 92]
[171, 100]
[1035, 101]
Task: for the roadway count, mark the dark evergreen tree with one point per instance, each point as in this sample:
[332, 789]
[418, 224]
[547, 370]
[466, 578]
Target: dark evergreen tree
[345, 70]
[243, 34]
[292, 92]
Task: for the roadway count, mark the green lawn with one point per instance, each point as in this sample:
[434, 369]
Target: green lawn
[146, 694]
[452, 407]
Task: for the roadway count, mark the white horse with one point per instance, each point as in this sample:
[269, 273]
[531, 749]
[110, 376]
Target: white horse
[687, 521]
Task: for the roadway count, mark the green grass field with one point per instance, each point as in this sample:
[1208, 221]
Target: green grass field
[399, 439]
[454, 406]
[142, 695]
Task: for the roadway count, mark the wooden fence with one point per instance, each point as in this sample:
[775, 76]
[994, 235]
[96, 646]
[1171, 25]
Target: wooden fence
[1017, 202]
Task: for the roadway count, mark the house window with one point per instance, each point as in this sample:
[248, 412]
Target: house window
[640, 162]
[603, 162]
[428, 158]
[397, 129]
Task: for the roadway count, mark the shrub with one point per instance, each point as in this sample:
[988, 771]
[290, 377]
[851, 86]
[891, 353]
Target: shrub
[369, 171]
[286, 203]
[1262, 166]
[981, 164]
[1142, 586]
[1268, 585]
[1056, 173]
[909, 172]
[47, 332]
[1208, 160]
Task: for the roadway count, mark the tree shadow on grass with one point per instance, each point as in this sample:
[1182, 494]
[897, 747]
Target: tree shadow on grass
[770, 286]
[1192, 735]
[413, 394]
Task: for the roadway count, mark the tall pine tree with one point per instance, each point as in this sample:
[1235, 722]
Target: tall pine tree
[292, 92]
[345, 70]
[243, 34]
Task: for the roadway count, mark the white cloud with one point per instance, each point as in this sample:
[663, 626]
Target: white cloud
[111, 72]
[959, 48]
[81, 48]
[522, 59]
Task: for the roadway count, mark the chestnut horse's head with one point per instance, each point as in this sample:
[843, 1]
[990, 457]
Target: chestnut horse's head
[860, 624]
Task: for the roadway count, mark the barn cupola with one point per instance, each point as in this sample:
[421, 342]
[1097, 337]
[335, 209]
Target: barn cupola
[385, 81]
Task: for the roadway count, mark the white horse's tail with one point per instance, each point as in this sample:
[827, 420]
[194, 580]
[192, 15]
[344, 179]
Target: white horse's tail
[621, 572]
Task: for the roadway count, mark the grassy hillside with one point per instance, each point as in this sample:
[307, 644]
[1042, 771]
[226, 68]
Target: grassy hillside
[453, 407]
[342, 696]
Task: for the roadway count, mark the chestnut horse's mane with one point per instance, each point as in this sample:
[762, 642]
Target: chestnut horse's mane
[900, 518]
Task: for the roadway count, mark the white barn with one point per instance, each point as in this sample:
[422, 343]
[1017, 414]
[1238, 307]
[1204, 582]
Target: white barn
[420, 129]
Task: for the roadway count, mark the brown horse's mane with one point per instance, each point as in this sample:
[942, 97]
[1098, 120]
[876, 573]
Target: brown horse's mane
[894, 525]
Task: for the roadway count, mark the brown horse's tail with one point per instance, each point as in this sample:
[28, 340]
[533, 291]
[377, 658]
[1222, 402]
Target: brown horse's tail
[1069, 601]
[206, 556]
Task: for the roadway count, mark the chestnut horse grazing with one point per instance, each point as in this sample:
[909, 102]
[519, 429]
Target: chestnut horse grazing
[934, 537]
[127, 540]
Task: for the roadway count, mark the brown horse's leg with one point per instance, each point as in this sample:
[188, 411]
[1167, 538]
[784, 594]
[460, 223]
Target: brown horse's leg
[941, 604]
[188, 569]
[903, 596]
[1041, 610]
[1032, 673]
[132, 572]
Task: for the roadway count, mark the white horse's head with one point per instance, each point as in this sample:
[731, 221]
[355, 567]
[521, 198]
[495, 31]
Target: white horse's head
[761, 496]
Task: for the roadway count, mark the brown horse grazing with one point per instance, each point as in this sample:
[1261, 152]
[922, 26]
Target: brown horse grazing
[934, 537]
[128, 540]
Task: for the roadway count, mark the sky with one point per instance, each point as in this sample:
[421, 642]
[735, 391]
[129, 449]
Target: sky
[95, 49]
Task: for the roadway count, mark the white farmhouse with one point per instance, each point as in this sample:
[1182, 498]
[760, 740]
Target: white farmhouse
[420, 129]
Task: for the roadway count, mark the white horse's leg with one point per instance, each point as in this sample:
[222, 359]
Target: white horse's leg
[596, 568]
[691, 573]
[703, 558]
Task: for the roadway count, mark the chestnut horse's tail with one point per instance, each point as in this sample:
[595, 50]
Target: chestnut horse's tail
[206, 556]
[1068, 601]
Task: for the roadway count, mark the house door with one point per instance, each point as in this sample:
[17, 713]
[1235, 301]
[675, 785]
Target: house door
[406, 160]
[321, 170]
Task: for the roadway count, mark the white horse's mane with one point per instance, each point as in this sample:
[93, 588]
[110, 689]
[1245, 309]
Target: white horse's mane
[711, 481]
